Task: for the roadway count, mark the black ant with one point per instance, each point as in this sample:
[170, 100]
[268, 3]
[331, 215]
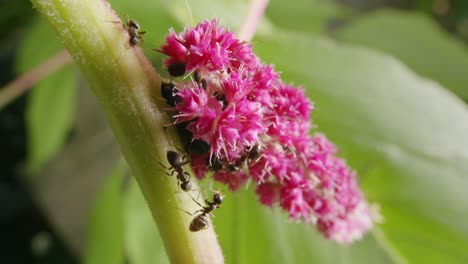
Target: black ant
[202, 83]
[176, 161]
[201, 221]
[251, 156]
[176, 69]
[169, 92]
[133, 29]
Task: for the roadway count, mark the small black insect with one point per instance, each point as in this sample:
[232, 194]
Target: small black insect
[215, 164]
[133, 29]
[177, 161]
[253, 153]
[176, 69]
[201, 82]
[201, 221]
[169, 92]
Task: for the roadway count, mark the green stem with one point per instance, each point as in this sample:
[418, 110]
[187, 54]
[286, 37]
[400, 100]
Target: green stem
[128, 90]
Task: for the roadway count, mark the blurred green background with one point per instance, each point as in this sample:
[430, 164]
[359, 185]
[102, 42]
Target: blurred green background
[390, 83]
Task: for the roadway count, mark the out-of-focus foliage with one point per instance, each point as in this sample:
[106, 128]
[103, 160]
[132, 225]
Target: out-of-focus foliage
[453, 14]
[51, 104]
[106, 226]
[416, 40]
[14, 16]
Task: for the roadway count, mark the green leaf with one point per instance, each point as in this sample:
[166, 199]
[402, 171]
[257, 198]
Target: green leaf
[416, 40]
[302, 15]
[142, 244]
[191, 13]
[49, 116]
[250, 233]
[106, 226]
[51, 104]
[405, 135]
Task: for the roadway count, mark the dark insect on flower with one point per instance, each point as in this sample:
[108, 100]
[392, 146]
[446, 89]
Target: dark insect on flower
[201, 221]
[176, 69]
[177, 161]
[169, 93]
[201, 82]
[215, 164]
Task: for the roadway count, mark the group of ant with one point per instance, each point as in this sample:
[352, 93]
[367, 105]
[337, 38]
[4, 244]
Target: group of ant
[176, 161]
[200, 221]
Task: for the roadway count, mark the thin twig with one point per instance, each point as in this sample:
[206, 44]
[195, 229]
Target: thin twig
[20, 85]
[255, 13]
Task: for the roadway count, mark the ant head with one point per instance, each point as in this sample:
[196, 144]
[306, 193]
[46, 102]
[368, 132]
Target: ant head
[214, 164]
[167, 90]
[254, 152]
[186, 186]
[133, 24]
[218, 198]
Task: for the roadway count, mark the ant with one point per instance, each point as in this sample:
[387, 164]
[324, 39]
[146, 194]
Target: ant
[176, 69]
[169, 92]
[250, 157]
[201, 221]
[133, 29]
[176, 161]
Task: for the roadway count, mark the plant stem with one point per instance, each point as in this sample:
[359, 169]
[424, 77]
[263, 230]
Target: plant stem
[128, 90]
[20, 85]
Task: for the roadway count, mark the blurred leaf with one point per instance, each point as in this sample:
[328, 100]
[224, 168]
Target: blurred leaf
[303, 15]
[416, 40]
[190, 13]
[51, 103]
[406, 135]
[40, 43]
[14, 16]
[50, 116]
[250, 233]
[105, 239]
[142, 244]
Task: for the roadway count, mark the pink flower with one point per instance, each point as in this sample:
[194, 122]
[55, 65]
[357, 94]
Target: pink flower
[208, 47]
[258, 128]
[268, 193]
[349, 227]
[234, 180]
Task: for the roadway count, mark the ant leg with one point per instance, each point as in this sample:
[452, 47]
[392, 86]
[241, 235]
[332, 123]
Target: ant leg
[121, 54]
[167, 168]
[184, 211]
[196, 202]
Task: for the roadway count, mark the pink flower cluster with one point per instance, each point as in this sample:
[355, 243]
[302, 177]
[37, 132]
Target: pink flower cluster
[258, 128]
